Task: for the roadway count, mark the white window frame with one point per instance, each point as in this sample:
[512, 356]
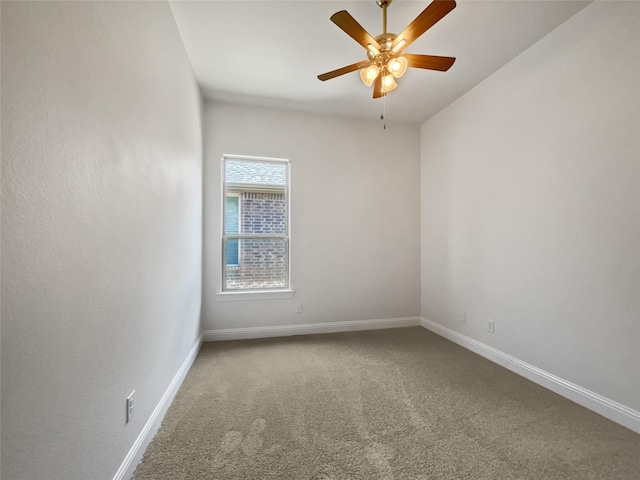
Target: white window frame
[264, 293]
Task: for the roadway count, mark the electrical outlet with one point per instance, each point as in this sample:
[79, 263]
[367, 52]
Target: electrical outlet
[463, 317]
[130, 399]
[490, 326]
[299, 308]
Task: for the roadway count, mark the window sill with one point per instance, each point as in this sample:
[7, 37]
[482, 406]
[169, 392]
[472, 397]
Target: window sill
[254, 295]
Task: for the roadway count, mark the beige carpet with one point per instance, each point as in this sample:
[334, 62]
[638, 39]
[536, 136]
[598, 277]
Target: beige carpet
[384, 404]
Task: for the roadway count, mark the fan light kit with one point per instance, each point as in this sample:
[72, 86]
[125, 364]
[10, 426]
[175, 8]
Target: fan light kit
[386, 58]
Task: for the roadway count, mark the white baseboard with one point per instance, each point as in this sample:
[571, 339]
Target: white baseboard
[134, 456]
[307, 329]
[610, 409]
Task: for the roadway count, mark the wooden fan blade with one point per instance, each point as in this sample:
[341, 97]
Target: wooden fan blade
[377, 87]
[341, 71]
[429, 62]
[423, 22]
[351, 27]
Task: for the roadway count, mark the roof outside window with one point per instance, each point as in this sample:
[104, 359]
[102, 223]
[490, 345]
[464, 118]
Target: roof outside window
[255, 173]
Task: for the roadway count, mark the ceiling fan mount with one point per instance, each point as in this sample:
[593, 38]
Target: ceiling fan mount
[383, 3]
[386, 58]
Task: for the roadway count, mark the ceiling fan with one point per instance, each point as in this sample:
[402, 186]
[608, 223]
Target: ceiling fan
[385, 52]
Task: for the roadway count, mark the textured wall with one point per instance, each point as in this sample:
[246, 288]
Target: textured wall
[354, 215]
[101, 229]
[530, 208]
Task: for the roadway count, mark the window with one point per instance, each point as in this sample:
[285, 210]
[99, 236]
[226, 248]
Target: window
[255, 240]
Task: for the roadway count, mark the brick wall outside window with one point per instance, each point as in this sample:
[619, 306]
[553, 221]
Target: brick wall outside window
[262, 261]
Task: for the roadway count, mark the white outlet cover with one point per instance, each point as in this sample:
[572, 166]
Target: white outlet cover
[130, 405]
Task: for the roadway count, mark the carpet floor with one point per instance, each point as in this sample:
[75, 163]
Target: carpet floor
[384, 404]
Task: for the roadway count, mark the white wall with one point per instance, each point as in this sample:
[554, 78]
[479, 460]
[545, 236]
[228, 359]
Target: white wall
[530, 205]
[101, 229]
[355, 215]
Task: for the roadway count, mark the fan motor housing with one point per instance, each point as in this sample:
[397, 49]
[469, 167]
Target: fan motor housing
[384, 40]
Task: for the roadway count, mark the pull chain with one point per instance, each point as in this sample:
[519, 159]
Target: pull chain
[384, 110]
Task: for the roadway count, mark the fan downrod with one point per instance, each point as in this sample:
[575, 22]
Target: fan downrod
[383, 4]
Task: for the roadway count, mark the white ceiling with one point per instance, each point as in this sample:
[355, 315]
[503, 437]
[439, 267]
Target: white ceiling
[269, 52]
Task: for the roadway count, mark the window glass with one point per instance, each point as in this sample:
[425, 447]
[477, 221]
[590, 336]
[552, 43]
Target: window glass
[232, 226]
[256, 231]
